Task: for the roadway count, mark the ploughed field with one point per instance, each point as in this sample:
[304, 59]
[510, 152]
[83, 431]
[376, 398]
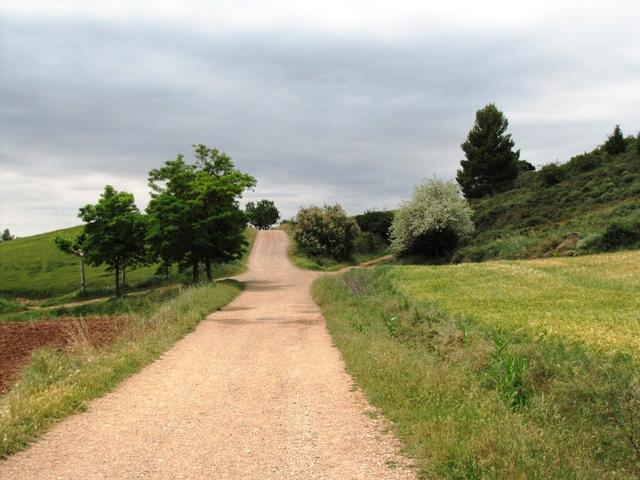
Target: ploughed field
[19, 339]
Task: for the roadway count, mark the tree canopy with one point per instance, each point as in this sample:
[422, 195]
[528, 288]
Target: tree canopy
[615, 143]
[262, 214]
[114, 232]
[490, 163]
[194, 214]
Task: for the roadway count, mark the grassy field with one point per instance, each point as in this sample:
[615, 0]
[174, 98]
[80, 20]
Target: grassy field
[56, 383]
[508, 369]
[34, 267]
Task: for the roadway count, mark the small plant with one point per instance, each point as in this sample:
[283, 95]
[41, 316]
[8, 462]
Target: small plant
[393, 325]
[510, 375]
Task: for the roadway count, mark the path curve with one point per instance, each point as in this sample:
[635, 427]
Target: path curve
[256, 391]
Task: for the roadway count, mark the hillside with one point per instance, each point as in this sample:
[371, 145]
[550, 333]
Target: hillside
[586, 205]
[34, 267]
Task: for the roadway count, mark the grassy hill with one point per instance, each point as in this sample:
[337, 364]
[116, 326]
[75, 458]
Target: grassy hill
[589, 204]
[34, 267]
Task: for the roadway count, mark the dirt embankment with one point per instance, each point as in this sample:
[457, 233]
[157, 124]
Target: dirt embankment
[18, 340]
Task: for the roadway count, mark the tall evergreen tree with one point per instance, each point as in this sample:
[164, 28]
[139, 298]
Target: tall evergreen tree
[615, 143]
[491, 164]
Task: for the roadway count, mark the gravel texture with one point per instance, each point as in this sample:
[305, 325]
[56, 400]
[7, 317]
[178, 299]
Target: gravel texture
[256, 391]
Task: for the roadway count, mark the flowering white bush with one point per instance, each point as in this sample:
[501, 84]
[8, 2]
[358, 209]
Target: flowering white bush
[326, 231]
[433, 222]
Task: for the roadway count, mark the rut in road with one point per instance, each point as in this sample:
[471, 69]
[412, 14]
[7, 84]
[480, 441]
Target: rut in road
[256, 391]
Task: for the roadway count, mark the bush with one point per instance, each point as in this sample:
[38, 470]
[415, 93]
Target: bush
[367, 242]
[590, 243]
[584, 163]
[377, 222]
[620, 234]
[552, 174]
[326, 231]
[433, 222]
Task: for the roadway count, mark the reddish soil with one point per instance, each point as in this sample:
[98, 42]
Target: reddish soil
[18, 340]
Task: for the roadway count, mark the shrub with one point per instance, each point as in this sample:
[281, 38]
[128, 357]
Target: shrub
[590, 243]
[584, 163]
[620, 234]
[552, 174]
[367, 242]
[326, 231]
[377, 222]
[433, 222]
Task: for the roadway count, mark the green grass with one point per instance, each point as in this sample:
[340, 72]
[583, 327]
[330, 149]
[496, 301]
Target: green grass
[323, 264]
[505, 369]
[56, 384]
[34, 267]
[593, 191]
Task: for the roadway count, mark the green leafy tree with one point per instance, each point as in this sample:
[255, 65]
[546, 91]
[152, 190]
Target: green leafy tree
[433, 222]
[376, 222]
[195, 217]
[115, 233]
[615, 143]
[327, 231]
[6, 235]
[638, 143]
[262, 214]
[74, 247]
[491, 164]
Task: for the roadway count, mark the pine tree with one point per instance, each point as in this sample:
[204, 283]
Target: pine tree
[491, 164]
[615, 143]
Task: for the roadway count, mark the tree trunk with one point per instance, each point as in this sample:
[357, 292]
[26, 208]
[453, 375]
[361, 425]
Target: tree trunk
[82, 282]
[196, 272]
[117, 280]
[124, 275]
[207, 263]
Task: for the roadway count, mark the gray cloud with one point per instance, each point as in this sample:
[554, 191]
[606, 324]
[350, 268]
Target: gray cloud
[317, 116]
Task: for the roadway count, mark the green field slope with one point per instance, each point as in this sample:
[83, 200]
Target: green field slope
[505, 369]
[589, 204]
[34, 267]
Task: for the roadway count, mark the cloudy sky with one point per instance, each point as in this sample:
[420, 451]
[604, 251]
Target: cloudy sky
[332, 101]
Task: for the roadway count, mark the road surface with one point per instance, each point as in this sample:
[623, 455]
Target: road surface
[256, 391]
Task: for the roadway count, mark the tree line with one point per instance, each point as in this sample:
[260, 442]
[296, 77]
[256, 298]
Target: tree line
[193, 220]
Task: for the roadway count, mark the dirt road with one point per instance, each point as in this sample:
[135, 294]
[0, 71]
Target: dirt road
[257, 391]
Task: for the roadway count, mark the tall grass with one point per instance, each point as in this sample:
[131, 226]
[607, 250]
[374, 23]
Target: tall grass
[472, 399]
[56, 384]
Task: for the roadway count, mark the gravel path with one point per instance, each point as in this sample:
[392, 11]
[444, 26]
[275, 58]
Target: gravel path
[257, 391]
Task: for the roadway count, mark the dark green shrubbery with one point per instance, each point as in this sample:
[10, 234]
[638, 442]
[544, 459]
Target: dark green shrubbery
[376, 222]
[552, 174]
[621, 234]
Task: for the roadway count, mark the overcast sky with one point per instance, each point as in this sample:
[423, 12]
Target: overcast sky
[330, 101]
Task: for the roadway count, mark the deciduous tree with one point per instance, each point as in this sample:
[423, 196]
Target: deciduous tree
[115, 233]
[262, 214]
[74, 247]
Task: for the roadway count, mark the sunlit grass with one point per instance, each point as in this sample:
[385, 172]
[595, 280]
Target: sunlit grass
[594, 299]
